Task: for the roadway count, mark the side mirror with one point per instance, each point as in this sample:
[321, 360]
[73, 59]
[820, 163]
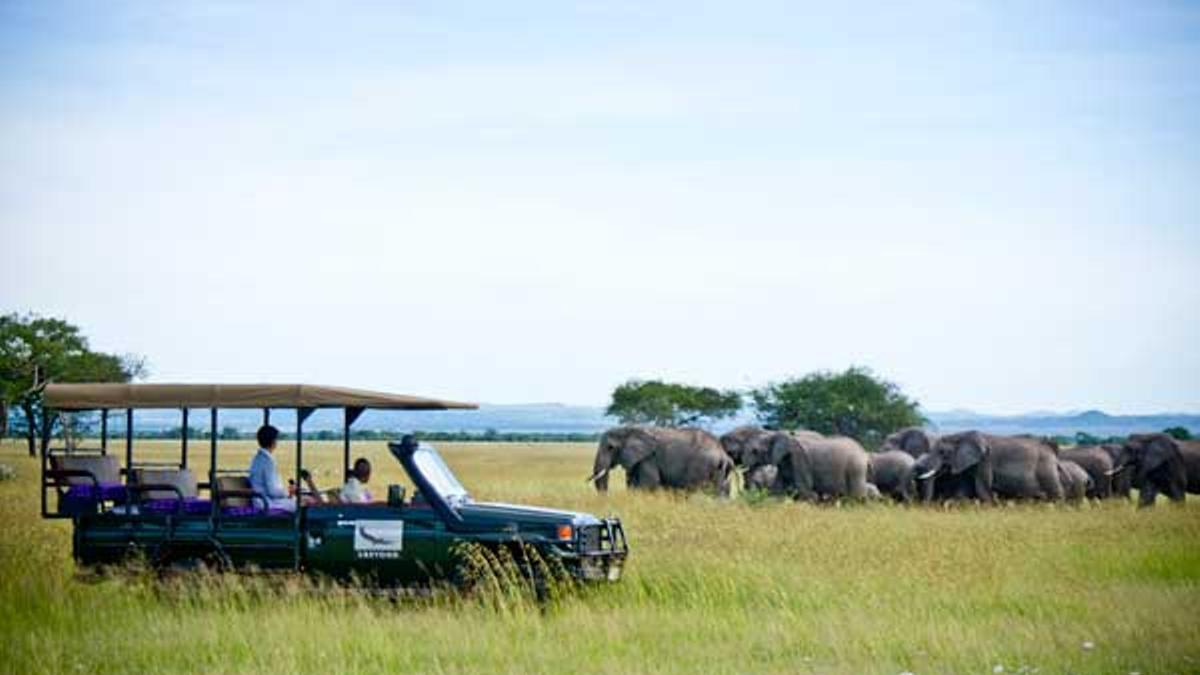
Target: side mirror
[395, 495]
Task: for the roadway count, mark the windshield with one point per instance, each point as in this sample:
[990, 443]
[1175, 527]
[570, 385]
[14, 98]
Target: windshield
[430, 464]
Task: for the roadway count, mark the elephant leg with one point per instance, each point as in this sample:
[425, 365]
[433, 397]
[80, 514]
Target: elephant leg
[1147, 494]
[1048, 480]
[1176, 491]
[926, 489]
[724, 479]
[983, 485]
[643, 475]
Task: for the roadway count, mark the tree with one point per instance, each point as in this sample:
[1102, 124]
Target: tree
[1178, 433]
[36, 350]
[853, 403]
[669, 404]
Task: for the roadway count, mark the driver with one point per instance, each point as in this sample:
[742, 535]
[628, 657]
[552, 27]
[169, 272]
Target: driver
[355, 490]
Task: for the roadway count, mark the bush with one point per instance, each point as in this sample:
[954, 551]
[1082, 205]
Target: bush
[853, 403]
[669, 404]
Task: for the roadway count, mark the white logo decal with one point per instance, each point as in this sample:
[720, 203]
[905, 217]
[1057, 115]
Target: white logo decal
[378, 536]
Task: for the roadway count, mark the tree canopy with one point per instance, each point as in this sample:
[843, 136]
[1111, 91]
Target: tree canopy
[670, 404]
[35, 350]
[1178, 433]
[852, 403]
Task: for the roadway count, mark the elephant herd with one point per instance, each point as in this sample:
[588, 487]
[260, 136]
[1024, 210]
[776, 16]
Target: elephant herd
[912, 465]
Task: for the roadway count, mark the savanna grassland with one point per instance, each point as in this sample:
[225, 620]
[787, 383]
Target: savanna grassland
[712, 586]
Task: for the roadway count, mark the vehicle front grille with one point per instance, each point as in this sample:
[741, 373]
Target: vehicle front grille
[591, 537]
[606, 537]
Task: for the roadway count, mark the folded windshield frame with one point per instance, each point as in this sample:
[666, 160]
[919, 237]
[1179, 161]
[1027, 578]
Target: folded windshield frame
[430, 464]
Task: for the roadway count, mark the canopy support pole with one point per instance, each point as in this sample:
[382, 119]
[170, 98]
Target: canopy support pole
[352, 415]
[104, 431]
[301, 415]
[128, 445]
[266, 416]
[212, 464]
[183, 463]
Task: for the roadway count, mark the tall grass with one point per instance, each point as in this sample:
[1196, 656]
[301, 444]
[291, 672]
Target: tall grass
[712, 586]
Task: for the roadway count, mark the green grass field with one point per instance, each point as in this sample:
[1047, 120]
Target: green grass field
[712, 586]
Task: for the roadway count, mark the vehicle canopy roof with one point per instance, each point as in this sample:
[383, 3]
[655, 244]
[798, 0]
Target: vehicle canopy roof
[97, 396]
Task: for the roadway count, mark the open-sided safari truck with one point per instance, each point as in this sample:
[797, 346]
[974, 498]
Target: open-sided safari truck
[162, 512]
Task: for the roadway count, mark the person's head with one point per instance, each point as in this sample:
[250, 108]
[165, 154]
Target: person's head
[362, 469]
[267, 436]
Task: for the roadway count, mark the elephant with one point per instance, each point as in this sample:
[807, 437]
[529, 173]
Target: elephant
[1103, 466]
[1121, 484]
[873, 494]
[1159, 466]
[743, 439]
[749, 440]
[1076, 482]
[1191, 460]
[912, 440]
[1005, 466]
[892, 473]
[934, 486]
[813, 467]
[764, 477]
[654, 457]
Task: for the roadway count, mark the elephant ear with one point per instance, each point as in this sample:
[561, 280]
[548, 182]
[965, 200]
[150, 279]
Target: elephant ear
[779, 450]
[1159, 451]
[971, 450]
[789, 454]
[636, 448]
[915, 442]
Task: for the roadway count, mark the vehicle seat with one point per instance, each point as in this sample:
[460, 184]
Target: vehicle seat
[240, 504]
[166, 501]
[80, 493]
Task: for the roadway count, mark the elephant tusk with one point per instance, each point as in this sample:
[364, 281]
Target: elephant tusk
[927, 475]
[596, 476]
[1113, 472]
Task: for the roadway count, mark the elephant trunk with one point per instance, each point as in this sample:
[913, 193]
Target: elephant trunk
[600, 470]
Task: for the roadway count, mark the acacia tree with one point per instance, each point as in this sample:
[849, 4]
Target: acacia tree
[1178, 433]
[852, 403]
[35, 350]
[669, 404]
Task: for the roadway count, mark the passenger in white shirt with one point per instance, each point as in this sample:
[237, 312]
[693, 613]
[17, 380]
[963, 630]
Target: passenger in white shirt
[355, 490]
[264, 476]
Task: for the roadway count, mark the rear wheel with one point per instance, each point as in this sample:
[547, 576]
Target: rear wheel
[173, 564]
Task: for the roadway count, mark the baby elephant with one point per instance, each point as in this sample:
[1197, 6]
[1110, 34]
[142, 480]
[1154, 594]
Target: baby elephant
[892, 473]
[1076, 482]
[762, 478]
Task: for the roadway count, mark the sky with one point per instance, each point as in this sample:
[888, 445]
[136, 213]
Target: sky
[994, 205]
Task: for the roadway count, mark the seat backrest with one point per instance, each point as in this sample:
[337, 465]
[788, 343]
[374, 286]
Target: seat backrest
[106, 468]
[226, 483]
[183, 479]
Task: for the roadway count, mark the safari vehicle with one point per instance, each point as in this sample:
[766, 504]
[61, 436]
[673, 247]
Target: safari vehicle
[161, 512]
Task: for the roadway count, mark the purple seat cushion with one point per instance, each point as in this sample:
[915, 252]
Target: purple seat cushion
[109, 492]
[238, 511]
[190, 506]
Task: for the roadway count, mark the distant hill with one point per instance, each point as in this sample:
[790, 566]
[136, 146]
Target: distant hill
[562, 418]
[1094, 422]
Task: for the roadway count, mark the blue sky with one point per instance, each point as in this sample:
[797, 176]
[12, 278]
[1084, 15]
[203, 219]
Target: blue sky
[995, 205]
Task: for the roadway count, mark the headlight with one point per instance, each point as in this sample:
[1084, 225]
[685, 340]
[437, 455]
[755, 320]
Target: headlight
[565, 533]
